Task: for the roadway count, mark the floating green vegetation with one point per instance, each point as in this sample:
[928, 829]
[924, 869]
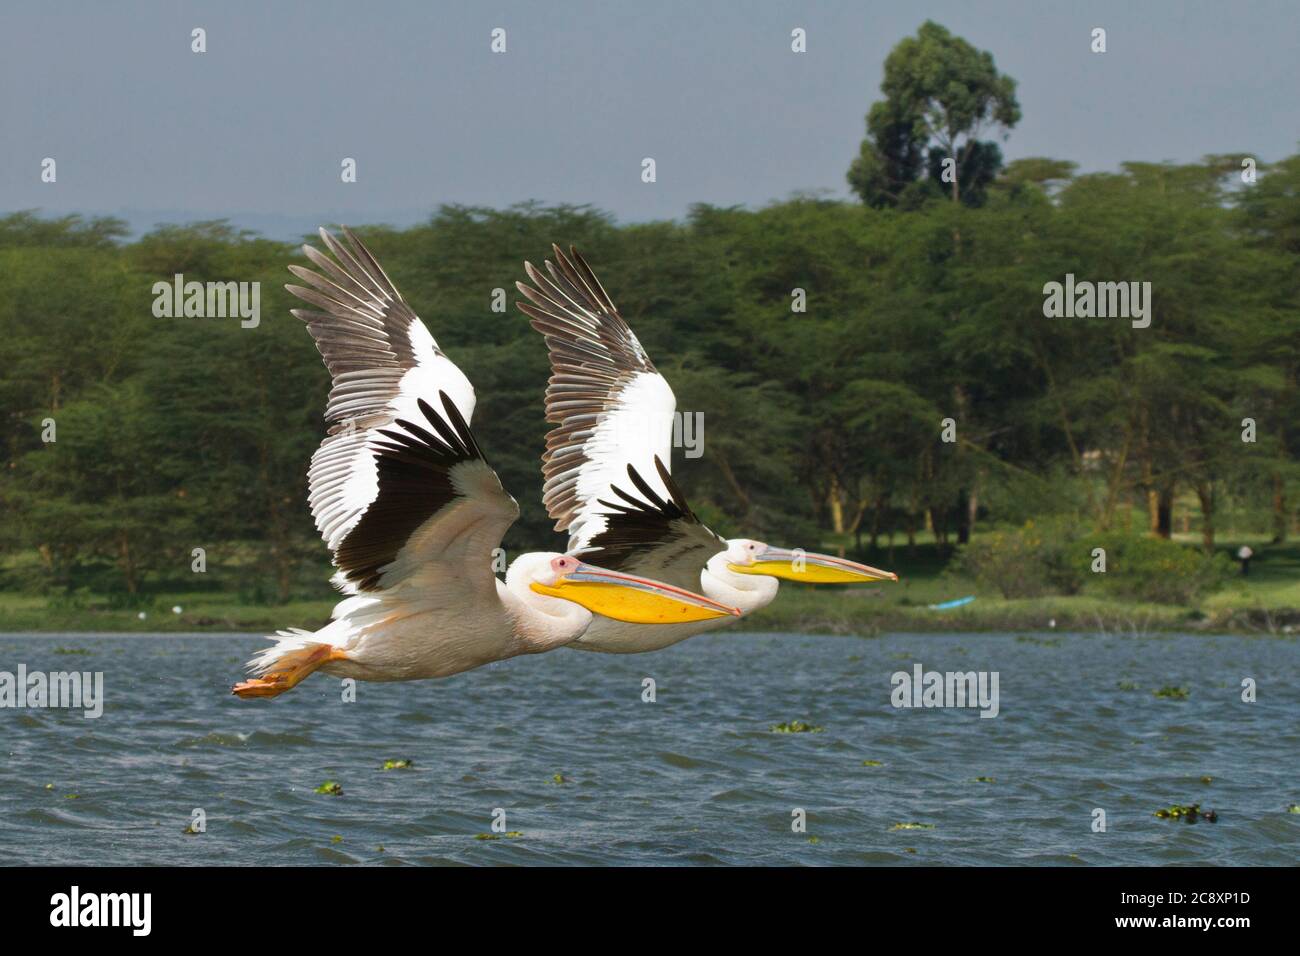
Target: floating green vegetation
[71, 796]
[796, 727]
[1173, 693]
[49, 786]
[498, 836]
[1040, 641]
[910, 849]
[872, 763]
[336, 839]
[986, 780]
[71, 651]
[814, 840]
[1207, 779]
[912, 826]
[559, 778]
[398, 764]
[1128, 685]
[1190, 813]
[190, 831]
[330, 787]
[1294, 808]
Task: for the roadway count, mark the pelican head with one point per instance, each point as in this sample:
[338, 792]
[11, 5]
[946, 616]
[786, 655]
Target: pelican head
[745, 556]
[623, 597]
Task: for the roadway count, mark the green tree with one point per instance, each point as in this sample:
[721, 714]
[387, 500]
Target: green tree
[1268, 215]
[941, 94]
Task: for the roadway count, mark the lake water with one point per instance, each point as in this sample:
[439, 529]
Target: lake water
[695, 777]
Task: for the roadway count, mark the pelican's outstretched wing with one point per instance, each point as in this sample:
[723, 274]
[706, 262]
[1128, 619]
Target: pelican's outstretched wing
[399, 483]
[646, 534]
[613, 414]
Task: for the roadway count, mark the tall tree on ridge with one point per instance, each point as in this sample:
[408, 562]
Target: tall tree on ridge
[940, 94]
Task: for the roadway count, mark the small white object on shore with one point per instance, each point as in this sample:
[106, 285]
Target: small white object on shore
[142, 615]
[176, 609]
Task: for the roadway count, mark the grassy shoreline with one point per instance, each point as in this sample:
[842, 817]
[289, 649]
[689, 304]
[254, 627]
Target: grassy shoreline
[796, 609]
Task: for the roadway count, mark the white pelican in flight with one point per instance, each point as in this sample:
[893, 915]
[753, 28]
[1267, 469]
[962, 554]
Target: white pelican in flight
[412, 513]
[607, 468]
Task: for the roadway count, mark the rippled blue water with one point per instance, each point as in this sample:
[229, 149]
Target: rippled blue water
[695, 777]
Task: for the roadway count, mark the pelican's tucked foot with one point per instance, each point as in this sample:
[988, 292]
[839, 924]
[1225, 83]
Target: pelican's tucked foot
[290, 670]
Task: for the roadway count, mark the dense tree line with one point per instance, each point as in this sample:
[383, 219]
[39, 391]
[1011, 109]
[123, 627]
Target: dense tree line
[176, 433]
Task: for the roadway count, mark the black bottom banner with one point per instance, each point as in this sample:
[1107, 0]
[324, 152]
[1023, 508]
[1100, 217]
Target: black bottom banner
[297, 905]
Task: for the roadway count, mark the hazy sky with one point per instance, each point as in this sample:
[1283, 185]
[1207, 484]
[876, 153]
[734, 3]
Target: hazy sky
[254, 129]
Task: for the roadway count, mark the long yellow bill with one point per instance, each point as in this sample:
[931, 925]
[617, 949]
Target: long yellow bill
[636, 600]
[811, 568]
